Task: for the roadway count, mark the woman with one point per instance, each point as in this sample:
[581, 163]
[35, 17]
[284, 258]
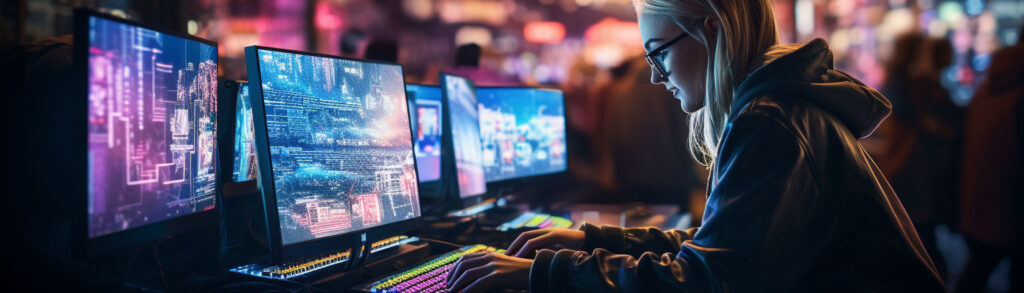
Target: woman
[795, 203]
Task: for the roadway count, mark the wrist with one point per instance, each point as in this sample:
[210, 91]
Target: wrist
[540, 271]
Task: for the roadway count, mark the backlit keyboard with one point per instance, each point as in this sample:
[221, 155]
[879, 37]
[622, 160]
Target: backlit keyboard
[535, 220]
[308, 265]
[427, 277]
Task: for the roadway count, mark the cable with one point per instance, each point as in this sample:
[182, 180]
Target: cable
[128, 269]
[159, 264]
[441, 242]
[262, 241]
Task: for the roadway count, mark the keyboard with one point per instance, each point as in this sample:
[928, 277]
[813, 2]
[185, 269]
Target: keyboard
[535, 220]
[430, 276]
[301, 267]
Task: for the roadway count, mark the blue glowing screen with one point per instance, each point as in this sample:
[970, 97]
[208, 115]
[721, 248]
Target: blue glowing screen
[425, 104]
[522, 131]
[245, 151]
[341, 149]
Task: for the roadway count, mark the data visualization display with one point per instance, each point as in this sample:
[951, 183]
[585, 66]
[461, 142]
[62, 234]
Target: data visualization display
[461, 94]
[425, 104]
[340, 144]
[152, 125]
[245, 151]
[522, 131]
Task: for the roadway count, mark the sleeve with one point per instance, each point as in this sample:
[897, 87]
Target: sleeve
[762, 213]
[634, 241]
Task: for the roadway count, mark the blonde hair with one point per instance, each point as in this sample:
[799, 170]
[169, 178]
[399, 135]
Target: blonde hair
[746, 32]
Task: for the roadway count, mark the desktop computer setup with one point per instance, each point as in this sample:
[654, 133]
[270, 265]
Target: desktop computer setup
[315, 167]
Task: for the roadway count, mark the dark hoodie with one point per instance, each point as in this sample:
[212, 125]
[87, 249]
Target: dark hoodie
[796, 204]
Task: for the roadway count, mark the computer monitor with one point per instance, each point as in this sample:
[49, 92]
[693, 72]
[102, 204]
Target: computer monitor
[461, 120]
[425, 105]
[425, 115]
[244, 165]
[149, 129]
[522, 130]
[335, 150]
[238, 152]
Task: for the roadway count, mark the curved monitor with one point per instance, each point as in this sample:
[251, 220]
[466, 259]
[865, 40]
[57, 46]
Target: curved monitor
[461, 111]
[522, 132]
[335, 137]
[425, 114]
[151, 127]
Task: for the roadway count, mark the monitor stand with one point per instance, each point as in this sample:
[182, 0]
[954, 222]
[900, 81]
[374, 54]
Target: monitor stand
[186, 262]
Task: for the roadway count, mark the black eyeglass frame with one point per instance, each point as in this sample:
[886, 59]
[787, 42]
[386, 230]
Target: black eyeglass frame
[654, 57]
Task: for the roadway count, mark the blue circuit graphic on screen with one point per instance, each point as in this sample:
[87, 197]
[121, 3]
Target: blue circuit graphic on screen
[461, 93]
[340, 144]
[152, 126]
[522, 131]
[245, 151]
[425, 104]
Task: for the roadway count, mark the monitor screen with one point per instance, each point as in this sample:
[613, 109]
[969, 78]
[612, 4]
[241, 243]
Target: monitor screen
[340, 144]
[461, 95]
[152, 127]
[522, 131]
[245, 151]
[425, 104]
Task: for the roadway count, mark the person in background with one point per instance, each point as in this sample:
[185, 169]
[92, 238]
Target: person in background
[351, 42]
[467, 64]
[923, 135]
[382, 50]
[991, 186]
[643, 133]
[795, 203]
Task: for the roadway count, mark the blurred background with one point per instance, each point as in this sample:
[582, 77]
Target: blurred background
[627, 138]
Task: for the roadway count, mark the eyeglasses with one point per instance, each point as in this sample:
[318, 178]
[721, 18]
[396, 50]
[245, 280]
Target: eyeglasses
[656, 57]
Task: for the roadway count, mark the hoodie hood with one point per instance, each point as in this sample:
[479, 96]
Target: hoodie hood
[808, 74]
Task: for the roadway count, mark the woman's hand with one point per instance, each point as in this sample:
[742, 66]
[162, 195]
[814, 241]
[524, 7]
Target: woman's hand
[527, 244]
[480, 272]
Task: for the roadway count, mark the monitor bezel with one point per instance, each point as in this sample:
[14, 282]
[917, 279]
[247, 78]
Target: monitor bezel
[432, 187]
[226, 124]
[448, 146]
[509, 185]
[279, 251]
[111, 242]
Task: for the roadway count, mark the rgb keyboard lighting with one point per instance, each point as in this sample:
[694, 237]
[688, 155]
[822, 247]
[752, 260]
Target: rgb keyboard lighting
[428, 277]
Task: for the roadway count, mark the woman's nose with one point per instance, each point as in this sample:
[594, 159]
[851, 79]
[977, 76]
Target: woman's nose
[656, 78]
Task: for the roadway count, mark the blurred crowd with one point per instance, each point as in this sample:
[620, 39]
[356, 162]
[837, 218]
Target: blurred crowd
[955, 166]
